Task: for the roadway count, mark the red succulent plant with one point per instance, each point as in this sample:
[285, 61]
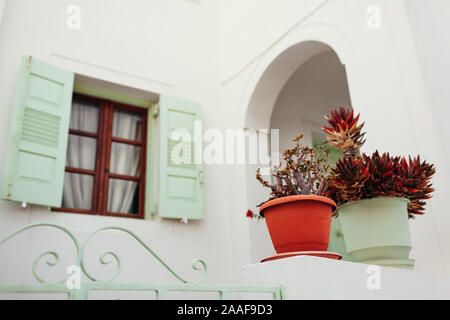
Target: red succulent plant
[364, 177]
[344, 132]
[414, 183]
[382, 176]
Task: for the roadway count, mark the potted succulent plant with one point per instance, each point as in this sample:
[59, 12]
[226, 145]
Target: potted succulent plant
[375, 194]
[298, 214]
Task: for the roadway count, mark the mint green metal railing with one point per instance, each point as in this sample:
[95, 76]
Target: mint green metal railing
[107, 284]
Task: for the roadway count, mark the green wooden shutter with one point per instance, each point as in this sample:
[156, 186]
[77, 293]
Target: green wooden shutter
[36, 154]
[180, 182]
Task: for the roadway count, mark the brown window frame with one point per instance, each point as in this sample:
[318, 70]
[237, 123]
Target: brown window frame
[102, 173]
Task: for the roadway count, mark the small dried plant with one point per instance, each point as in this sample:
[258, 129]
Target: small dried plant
[365, 177]
[305, 172]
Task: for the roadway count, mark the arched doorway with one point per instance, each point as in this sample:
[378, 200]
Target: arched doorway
[295, 92]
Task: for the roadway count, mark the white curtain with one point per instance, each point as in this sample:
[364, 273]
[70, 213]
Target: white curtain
[124, 160]
[78, 189]
[81, 153]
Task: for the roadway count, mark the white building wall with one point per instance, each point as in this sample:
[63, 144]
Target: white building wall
[385, 85]
[186, 49]
[2, 7]
[429, 22]
[167, 47]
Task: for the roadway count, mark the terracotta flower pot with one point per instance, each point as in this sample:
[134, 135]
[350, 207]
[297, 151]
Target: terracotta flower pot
[299, 223]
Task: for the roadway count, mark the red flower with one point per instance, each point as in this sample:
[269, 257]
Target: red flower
[250, 214]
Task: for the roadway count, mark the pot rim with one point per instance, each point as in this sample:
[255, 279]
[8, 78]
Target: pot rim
[349, 203]
[300, 197]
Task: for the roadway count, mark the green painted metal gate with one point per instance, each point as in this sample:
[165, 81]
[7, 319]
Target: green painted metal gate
[82, 290]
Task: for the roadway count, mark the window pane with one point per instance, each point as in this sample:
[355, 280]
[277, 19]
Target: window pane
[84, 115]
[123, 196]
[77, 192]
[127, 125]
[81, 152]
[125, 159]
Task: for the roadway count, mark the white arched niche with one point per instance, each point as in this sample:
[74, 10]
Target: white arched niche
[299, 87]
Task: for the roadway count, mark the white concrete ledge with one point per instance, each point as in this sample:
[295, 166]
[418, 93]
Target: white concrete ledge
[306, 277]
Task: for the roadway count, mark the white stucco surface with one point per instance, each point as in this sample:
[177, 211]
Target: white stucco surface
[319, 278]
[235, 57]
[385, 85]
[2, 7]
[163, 47]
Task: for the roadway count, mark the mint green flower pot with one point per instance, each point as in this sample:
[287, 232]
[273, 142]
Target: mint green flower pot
[336, 242]
[376, 231]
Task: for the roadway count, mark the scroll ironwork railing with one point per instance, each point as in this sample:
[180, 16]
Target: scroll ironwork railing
[82, 290]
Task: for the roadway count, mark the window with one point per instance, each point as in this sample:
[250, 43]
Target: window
[76, 153]
[105, 163]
